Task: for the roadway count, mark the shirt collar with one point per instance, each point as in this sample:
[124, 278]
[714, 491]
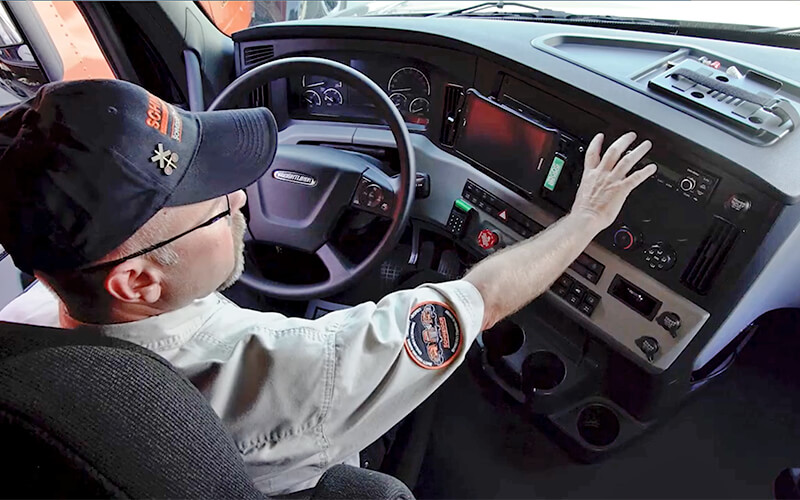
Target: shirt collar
[164, 331]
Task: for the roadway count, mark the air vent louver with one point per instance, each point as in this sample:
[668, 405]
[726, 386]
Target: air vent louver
[258, 97]
[453, 99]
[259, 54]
[711, 254]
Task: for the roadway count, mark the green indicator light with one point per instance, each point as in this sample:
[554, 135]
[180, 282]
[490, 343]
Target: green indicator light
[554, 173]
[463, 205]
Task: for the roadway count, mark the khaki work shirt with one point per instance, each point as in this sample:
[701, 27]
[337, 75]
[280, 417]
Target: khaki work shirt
[298, 395]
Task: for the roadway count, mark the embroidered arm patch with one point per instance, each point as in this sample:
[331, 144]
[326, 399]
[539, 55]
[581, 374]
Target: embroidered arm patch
[434, 336]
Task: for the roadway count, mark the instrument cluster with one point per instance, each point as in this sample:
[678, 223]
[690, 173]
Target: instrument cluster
[407, 84]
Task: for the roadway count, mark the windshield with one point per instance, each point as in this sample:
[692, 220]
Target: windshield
[233, 16]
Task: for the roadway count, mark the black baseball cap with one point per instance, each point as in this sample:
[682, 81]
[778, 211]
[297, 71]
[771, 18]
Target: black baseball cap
[84, 164]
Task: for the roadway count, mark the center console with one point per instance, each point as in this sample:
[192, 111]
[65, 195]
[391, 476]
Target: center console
[642, 292]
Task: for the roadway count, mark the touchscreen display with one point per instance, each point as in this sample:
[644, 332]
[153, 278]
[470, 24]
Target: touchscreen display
[506, 143]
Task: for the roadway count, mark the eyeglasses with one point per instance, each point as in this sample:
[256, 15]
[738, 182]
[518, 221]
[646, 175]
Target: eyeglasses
[112, 263]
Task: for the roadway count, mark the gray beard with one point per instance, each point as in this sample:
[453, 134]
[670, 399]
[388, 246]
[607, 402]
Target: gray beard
[238, 227]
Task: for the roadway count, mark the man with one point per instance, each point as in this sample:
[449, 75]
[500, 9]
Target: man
[129, 210]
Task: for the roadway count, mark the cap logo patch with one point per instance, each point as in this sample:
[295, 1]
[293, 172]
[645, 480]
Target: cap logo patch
[159, 115]
[434, 336]
[166, 159]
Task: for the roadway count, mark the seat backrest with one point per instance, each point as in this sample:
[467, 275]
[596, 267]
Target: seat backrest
[89, 416]
[86, 416]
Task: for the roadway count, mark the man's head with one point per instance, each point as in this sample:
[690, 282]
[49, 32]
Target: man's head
[96, 176]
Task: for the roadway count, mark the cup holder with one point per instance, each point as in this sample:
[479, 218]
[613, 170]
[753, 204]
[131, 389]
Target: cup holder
[542, 371]
[598, 425]
[503, 339]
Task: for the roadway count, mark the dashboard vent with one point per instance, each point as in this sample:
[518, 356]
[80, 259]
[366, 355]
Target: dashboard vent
[258, 97]
[710, 255]
[259, 54]
[453, 99]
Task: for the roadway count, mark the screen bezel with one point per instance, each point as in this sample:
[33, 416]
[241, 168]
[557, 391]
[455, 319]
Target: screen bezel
[546, 157]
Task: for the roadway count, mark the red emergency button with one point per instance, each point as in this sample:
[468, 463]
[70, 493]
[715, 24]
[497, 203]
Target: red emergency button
[487, 239]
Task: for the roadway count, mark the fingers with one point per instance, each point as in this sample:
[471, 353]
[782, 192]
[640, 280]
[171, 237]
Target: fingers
[632, 181]
[631, 159]
[615, 151]
[592, 158]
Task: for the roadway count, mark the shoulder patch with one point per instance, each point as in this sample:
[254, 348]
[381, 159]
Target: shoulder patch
[434, 336]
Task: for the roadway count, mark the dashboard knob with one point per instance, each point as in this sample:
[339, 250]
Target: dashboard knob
[625, 238]
[687, 183]
[670, 322]
[738, 203]
[487, 239]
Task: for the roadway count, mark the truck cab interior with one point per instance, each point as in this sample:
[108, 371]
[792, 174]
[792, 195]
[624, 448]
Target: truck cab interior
[661, 363]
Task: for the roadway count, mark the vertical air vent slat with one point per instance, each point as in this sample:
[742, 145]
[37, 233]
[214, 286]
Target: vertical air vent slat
[259, 54]
[453, 99]
[258, 97]
[710, 256]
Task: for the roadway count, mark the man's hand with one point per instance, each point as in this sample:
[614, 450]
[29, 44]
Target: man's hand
[605, 183]
[515, 276]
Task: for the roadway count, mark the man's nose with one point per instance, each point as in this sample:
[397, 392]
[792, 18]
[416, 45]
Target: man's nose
[238, 199]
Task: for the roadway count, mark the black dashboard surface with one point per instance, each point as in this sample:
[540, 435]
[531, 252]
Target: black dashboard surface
[771, 169]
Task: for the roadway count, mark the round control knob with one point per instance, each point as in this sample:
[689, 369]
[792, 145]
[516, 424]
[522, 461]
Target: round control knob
[687, 183]
[487, 239]
[371, 196]
[738, 203]
[625, 238]
[670, 322]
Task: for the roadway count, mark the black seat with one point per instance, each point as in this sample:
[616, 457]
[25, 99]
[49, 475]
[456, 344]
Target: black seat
[89, 416]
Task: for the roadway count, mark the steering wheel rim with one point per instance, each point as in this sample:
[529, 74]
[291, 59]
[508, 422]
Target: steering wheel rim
[240, 88]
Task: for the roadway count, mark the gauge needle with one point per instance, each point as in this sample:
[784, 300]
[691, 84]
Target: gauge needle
[401, 90]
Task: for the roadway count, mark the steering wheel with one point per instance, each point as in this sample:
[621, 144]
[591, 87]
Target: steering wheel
[299, 200]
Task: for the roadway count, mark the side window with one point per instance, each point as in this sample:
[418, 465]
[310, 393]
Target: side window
[20, 74]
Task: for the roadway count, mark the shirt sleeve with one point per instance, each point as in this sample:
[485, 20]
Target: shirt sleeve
[392, 355]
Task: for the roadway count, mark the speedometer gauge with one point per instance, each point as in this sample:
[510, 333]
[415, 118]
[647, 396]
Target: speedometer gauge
[409, 80]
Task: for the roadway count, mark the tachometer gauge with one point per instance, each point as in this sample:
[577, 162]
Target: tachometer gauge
[409, 80]
[312, 98]
[419, 106]
[399, 100]
[332, 97]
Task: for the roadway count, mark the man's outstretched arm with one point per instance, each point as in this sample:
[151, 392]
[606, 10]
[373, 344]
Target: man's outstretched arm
[513, 277]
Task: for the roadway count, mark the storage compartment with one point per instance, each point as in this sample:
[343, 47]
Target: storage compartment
[598, 425]
[542, 371]
[503, 339]
[545, 365]
[594, 427]
[738, 97]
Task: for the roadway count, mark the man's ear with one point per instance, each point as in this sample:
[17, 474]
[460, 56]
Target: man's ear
[135, 281]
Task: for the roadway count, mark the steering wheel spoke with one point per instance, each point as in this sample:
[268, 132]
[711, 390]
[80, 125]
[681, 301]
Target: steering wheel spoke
[339, 267]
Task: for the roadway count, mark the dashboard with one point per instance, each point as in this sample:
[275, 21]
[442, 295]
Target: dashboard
[501, 113]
